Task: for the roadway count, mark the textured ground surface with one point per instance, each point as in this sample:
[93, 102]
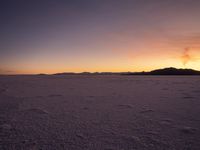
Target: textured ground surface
[99, 113]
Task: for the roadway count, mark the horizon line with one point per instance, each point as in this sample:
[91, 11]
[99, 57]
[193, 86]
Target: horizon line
[95, 72]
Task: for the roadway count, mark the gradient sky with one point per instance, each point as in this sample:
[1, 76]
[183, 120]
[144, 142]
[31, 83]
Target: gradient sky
[48, 36]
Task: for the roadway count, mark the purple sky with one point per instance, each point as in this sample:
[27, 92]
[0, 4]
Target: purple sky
[48, 36]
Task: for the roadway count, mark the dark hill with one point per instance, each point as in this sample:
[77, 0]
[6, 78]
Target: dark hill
[168, 71]
[174, 71]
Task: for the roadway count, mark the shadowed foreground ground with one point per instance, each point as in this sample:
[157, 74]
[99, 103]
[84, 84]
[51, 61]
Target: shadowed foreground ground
[111, 112]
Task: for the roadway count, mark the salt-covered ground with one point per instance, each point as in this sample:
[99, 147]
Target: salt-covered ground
[102, 112]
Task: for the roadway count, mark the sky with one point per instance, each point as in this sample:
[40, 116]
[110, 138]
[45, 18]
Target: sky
[50, 36]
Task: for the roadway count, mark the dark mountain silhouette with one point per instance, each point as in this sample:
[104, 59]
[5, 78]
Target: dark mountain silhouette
[87, 73]
[167, 71]
[174, 71]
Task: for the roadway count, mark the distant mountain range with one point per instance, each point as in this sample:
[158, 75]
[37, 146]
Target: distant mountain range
[167, 71]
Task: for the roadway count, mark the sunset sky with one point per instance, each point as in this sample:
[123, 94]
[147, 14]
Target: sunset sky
[49, 36]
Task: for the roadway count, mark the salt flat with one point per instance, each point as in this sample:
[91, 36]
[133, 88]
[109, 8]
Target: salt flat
[99, 112]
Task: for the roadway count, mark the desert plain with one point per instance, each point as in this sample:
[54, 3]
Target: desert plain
[99, 112]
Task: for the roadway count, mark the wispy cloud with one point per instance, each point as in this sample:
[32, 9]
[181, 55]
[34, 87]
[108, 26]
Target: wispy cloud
[189, 45]
[186, 56]
[4, 71]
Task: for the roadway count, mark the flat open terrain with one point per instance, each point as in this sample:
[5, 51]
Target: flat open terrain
[81, 112]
